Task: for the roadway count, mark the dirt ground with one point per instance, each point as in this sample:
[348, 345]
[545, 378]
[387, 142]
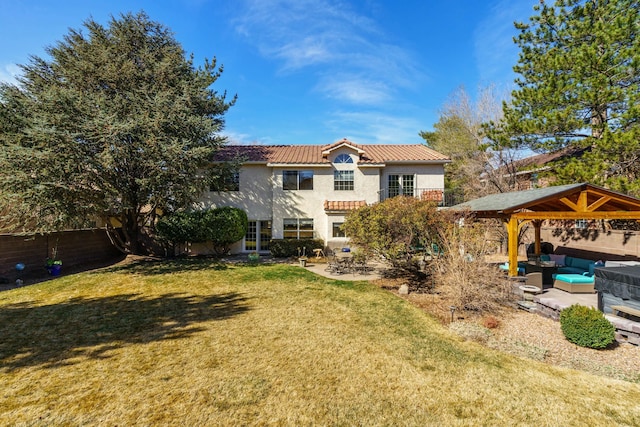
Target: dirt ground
[528, 335]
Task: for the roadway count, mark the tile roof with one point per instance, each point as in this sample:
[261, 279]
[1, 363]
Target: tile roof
[331, 205]
[315, 154]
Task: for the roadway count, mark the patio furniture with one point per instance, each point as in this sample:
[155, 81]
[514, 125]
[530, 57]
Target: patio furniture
[548, 269]
[340, 263]
[361, 267]
[574, 283]
[534, 279]
[626, 312]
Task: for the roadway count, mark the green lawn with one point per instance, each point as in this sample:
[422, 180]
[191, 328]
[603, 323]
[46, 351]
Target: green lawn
[198, 343]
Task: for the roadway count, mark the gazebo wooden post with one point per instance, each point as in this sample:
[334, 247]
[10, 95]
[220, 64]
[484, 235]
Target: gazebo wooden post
[512, 229]
[537, 225]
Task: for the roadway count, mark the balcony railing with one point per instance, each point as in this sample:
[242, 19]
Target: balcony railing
[443, 197]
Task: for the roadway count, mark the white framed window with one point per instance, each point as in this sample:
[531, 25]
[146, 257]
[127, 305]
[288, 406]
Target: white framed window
[342, 180]
[343, 158]
[400, 185]
[336, 229]
[258, 236]
[297, 228]
[297, 180]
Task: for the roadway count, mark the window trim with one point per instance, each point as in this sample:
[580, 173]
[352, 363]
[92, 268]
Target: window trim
[400, 190]
[342, 184]
[341, 234]
[303, 180]
[299, 223]
[343, 158]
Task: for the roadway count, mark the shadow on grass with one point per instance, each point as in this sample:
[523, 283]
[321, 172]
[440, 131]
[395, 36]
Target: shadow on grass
[81, 328]
[164, 266]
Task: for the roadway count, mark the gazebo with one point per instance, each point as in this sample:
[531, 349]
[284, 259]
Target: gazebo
[562, 202]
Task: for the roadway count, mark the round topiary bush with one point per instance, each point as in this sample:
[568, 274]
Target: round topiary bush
[586, 327]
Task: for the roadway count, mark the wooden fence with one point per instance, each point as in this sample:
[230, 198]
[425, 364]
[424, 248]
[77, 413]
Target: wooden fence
[75, 248]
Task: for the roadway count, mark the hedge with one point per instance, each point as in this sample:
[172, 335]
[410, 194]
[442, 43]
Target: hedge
[282, 248]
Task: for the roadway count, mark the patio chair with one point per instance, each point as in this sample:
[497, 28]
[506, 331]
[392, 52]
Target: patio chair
[335, 266]
[534, 279]
[361, 267]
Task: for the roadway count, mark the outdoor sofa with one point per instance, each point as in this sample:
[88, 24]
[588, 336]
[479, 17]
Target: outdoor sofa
[575, 275]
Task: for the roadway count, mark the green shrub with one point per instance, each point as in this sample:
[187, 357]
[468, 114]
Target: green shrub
[180, 227]
[224, 226]
[221, 227]
[586, 327]
[283, 248]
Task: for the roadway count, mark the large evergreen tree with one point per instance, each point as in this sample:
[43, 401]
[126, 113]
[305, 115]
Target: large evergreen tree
[579, 85]
[116, 123]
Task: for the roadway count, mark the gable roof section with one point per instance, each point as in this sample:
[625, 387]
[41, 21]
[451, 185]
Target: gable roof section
[340, 144]
[571, 201]
[370, 154]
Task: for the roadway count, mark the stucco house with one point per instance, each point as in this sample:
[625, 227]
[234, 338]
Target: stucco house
[305, 191]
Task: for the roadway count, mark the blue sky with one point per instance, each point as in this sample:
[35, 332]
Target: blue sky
[311, 71]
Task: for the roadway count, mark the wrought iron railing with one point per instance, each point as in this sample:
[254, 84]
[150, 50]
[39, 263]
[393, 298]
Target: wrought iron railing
[442, 196]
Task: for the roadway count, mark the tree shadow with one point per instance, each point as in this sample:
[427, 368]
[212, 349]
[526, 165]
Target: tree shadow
[149, 267]
[90, 328]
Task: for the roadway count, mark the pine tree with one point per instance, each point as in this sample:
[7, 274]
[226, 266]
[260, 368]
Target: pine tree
[579, 85]
[115, 124]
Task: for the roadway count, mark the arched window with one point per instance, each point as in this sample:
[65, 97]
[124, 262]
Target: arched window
[343, 158]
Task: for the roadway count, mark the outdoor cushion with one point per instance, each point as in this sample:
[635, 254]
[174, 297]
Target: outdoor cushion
[574, 278]
[574, 265]
[578, 263]
[570, 270]
[505, 267]
[558, 259]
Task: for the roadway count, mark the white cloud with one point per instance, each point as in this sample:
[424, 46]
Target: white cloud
[9, 73]
[331, 39]
[302, 53]
[354, 89]
[300, 32]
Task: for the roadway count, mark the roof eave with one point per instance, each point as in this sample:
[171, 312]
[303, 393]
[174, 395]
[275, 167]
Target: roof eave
[298, 165]
[418, 162]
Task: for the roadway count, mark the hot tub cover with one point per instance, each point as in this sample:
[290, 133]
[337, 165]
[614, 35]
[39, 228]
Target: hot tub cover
[621, 282]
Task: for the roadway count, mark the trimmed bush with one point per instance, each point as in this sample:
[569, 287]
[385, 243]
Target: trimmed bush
[586, 327]
[221, 227]
[283, 248]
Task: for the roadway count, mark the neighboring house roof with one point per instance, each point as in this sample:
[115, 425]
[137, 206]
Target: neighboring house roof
[371, 154]
[542, 161]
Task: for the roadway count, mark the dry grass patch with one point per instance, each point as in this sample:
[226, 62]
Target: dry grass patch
[199, 343]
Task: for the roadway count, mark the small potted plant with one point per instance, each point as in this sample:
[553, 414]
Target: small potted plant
[53, 264]
[253, 257]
